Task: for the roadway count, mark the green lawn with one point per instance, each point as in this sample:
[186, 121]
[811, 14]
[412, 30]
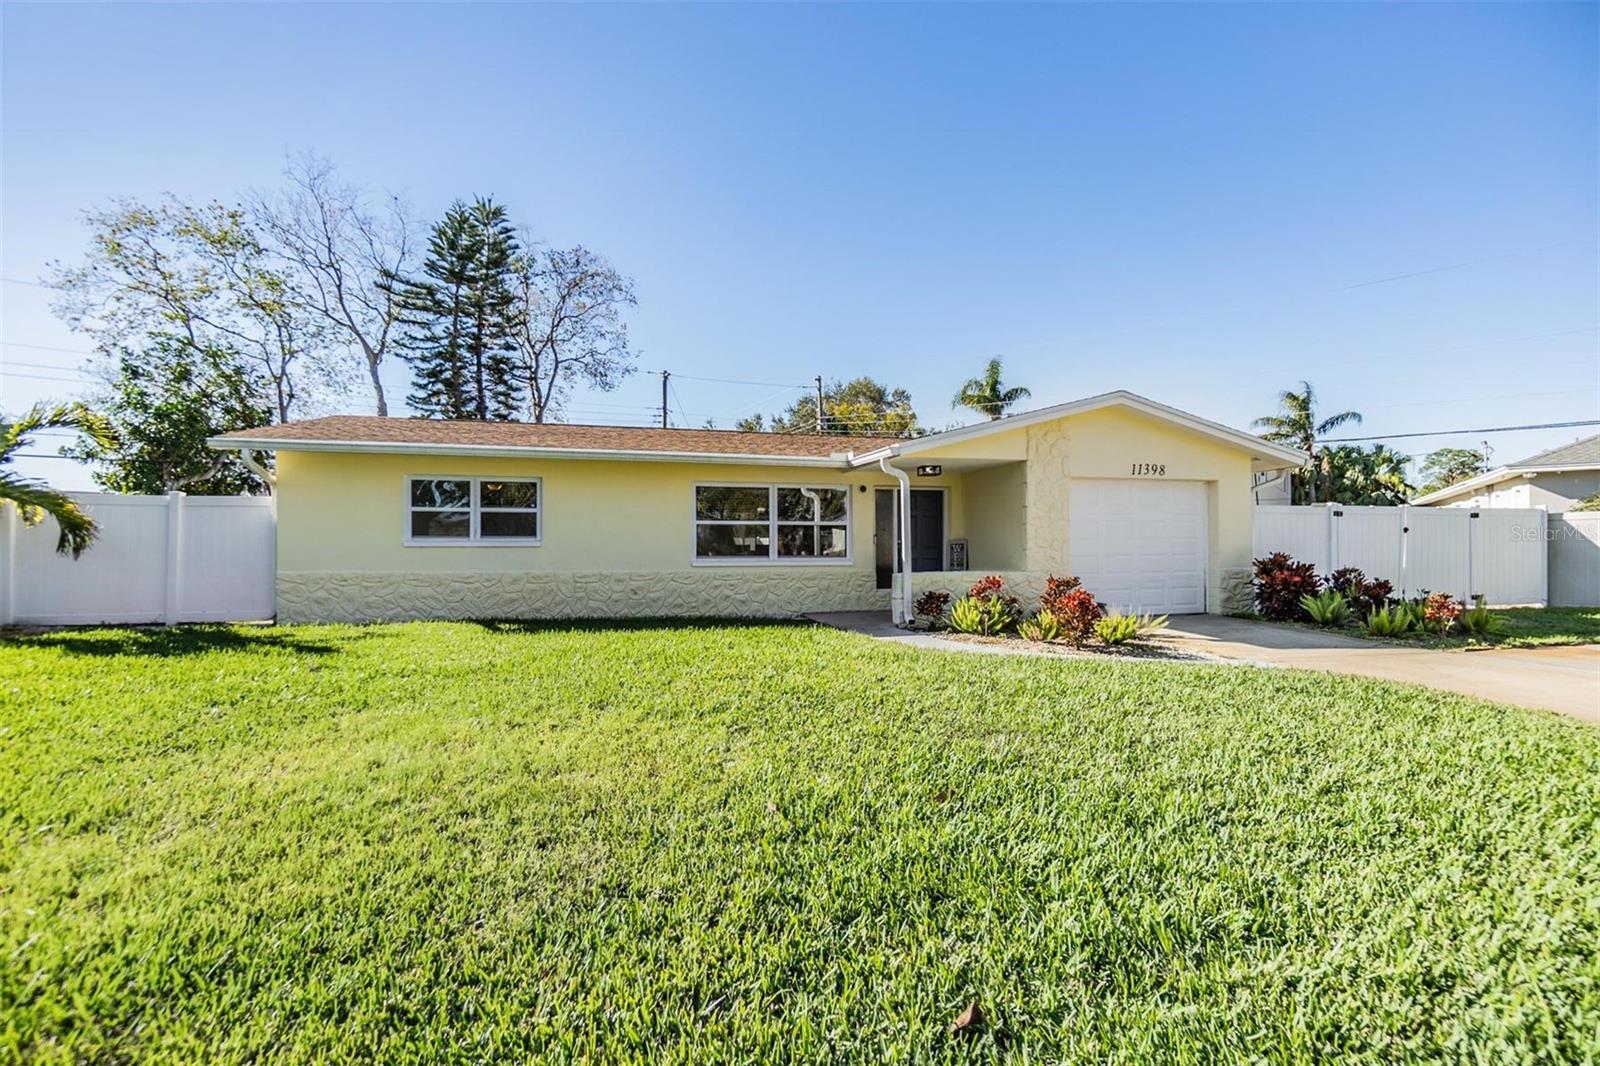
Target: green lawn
[478, 843]
[1531, 626]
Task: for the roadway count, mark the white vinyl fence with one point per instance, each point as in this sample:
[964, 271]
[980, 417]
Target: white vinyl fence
[171, 558]
[1496, 553]
[1574, 559]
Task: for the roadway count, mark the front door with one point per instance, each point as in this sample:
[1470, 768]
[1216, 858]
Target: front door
[927, 525]
[927, 529]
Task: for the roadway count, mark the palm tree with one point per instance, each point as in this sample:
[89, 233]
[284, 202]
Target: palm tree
[1297, 425]
[986, 394]
[1365, 477]
[34, 499]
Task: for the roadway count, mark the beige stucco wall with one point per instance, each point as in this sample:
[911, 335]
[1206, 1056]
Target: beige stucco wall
[617, 535]
[994, 512]
[616, 541]
[1555, 491]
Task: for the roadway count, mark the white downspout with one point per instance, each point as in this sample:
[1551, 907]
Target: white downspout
[905, 538]
[248, 458]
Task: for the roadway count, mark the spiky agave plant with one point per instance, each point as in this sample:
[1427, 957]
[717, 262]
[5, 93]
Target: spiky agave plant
[34, 499]
[1327, 608]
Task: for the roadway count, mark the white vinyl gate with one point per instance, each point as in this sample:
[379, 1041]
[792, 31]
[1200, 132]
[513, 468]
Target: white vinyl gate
[171, 558]
[1496, 553]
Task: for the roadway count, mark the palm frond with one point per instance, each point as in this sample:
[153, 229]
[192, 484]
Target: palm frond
[14, 433]
[1333, 422]
[34, 500]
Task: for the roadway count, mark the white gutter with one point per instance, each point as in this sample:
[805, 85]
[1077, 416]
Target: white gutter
[905, 538]
[247, 456]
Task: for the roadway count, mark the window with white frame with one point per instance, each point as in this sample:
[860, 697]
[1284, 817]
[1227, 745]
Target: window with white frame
[472, 510]
[771, 523]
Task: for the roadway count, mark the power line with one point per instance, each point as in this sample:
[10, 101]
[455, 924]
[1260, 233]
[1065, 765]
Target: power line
[45, 377]
[49, 348]
[21, 281]
[1454, 432]
[40, 366]
[736, 381]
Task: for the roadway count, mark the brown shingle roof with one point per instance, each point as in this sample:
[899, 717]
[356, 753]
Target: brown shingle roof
[363, 429]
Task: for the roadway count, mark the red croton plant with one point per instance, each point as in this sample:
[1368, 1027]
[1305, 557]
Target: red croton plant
[1280, 582]
[931, 604]
[1076, 612]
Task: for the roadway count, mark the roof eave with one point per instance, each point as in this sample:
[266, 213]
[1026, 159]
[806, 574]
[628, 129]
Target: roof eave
[1260, 449]
[1494, 477]
[485, 451]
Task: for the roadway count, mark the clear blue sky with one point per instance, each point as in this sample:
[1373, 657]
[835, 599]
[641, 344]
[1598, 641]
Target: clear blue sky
[1200, 203]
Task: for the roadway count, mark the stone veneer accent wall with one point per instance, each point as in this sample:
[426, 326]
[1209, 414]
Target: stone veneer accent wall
[1025, 585]
[1045, 495]
[749, 592]
[1238, 594]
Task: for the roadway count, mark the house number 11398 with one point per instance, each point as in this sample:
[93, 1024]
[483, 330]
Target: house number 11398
[1149, 469]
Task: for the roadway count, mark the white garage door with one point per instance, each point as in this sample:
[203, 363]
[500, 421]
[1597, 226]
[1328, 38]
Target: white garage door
[1140, 545]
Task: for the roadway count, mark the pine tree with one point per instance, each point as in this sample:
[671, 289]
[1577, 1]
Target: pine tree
[458, 315]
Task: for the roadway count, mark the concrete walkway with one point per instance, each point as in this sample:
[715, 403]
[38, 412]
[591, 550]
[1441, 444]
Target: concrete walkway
[1565, 679]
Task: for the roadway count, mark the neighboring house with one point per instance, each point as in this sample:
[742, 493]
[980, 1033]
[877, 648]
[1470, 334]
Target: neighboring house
[387, 518]
[1274, 488]
[1556, 480]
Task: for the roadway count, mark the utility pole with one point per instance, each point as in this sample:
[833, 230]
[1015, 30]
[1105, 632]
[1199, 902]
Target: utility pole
[665, 374]
[819, 403]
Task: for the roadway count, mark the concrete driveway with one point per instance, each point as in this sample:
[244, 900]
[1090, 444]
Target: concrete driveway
[1565, 679]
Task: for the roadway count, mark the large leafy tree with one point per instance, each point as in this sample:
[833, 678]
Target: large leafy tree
[568, 325]
[987, 394]
[1365, 477]
[860, 407]
[1297, 425]
[165, 401]
[458, 317]
[33, 498]
[200, 274]
[1443, 467]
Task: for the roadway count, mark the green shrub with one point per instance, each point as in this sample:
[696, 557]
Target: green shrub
[1117, 628]
[1479, 621]
[1388, 621]
[985, 616]
[1149, 625]
[1040, 626]
[1327, 608]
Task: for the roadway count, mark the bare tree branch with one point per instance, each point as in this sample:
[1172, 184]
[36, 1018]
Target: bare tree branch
[336, 253]
[570, 328]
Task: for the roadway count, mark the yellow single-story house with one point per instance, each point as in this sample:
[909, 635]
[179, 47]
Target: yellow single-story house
[397, 518]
